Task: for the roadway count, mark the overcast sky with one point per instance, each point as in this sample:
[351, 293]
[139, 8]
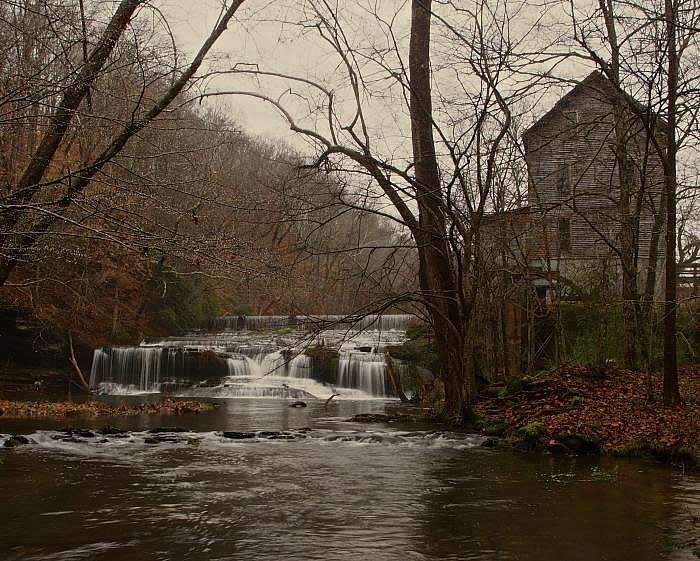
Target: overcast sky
[249, 40]
[258, 37]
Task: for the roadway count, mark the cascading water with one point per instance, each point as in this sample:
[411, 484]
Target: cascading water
[365, 371]
[349, 362]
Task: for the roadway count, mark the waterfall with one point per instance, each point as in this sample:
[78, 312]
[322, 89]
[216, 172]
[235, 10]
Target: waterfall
[254, 367]
[132, 370]
[273, 364]
[379, 322]
[153, 369]
[364, 371]
[100, 364]
[348, 358]
[238, 323]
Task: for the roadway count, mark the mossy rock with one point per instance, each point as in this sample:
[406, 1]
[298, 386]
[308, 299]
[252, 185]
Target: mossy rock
[496, 427]
[680, 454]
[532, 436]
[324, 363]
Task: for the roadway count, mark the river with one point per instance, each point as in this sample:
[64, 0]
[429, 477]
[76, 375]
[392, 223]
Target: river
[334, 491]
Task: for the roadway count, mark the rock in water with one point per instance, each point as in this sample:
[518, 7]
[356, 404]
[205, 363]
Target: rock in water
[297, 404]
[370, 418]
[17, 440]
[236, 435]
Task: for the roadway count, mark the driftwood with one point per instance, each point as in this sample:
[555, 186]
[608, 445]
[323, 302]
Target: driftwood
[330, 398]
[74, 362]
[395, 380]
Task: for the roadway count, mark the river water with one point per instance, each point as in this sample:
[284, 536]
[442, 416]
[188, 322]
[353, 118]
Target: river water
[333, 491]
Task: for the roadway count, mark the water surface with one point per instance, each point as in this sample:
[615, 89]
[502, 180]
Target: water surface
[339, 491]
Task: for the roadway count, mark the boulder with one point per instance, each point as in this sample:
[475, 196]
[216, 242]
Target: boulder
[579, 444]
[556, 448]
[83, 433]
[159, 439]
[495, 428]
[297, 404]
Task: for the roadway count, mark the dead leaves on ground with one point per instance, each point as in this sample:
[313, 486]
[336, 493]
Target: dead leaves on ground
[98, 409]
[613, 408]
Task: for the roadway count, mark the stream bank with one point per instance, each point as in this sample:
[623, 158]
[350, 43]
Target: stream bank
[579, 411]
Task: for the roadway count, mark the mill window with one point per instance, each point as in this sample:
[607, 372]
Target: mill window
[567, 178]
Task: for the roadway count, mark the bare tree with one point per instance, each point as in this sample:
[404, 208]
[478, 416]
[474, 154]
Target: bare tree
[440, 191]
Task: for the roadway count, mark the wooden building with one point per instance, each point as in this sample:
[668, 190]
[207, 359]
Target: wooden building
[581, 221]
[577, 207]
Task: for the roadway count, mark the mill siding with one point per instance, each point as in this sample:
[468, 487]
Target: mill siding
[573, 186]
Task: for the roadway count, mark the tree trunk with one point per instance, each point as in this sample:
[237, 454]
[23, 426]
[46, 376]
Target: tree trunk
[629, 240]
[647, 312]
[671, 393]
[436, 273]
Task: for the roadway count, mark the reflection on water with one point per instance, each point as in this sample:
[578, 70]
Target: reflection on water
[338, 491]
